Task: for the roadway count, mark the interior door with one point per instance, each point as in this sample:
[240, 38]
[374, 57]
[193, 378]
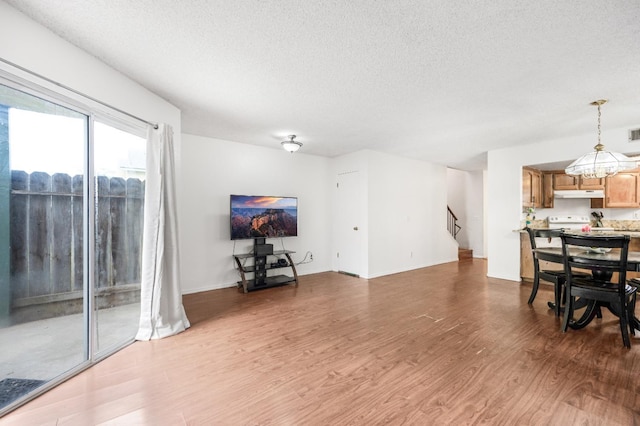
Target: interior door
[349, 224]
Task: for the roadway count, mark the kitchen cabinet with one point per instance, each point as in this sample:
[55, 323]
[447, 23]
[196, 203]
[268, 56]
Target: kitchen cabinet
[547, 190]
[595, 183]
[531, 187]
[622, 190]
[526, 260]
[563, 181]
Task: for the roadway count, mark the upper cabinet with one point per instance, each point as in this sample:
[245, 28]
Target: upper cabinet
[596, 183]
[622, 190]
[563, 181]
[531, 187]
[547, 190]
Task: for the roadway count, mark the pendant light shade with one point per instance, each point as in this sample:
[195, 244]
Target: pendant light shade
[291, 145]
[600, 163]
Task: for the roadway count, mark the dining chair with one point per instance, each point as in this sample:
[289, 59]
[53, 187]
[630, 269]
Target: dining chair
[604, 255]
[555, 276]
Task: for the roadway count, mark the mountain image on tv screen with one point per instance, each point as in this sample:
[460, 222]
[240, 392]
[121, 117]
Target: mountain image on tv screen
[263, 217]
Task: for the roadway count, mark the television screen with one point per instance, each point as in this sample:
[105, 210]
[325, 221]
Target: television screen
[263, 217]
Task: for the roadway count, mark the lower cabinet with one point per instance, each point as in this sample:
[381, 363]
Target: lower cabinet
[526, 259]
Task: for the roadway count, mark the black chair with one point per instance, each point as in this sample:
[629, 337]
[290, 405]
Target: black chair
[599, 289]
[555, 276]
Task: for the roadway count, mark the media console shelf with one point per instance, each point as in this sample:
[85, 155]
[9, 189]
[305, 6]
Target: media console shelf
[261, 264]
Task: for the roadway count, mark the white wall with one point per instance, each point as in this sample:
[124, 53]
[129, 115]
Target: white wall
[475, 212]
[504, 191]
[215, 169]
[407, 215]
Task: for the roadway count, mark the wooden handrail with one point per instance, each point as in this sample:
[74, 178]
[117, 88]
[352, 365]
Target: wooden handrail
[452, 223]
[452, 213]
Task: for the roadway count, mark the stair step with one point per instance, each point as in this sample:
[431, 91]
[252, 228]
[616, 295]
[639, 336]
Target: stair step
[464, 254]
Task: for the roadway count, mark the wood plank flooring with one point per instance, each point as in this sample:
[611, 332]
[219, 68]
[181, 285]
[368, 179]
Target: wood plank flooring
[439, 345]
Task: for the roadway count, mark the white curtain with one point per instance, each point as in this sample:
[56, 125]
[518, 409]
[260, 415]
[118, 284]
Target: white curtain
[161, 310]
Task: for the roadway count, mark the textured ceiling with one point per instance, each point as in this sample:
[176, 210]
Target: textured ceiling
[442, 81]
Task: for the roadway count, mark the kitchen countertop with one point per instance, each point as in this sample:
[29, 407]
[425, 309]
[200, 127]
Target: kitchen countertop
[633, 233]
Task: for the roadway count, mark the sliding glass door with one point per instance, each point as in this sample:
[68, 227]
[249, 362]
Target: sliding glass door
[43, 314]
[69, 251]
[119, 164]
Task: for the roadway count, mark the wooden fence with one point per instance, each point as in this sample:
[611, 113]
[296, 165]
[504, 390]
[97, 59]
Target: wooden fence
[47, 234]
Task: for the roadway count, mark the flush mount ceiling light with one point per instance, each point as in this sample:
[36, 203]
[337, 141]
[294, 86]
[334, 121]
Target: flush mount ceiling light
[291, 145]
[600, 163]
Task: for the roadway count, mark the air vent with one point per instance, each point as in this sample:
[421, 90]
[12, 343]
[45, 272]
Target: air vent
[634, 135]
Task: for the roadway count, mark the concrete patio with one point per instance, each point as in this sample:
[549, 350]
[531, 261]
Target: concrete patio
[44, 349]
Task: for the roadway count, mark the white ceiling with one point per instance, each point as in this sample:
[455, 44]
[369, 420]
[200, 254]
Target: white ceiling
[442, 81]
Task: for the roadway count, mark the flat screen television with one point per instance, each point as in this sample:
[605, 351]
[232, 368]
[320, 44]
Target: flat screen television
[257, 216]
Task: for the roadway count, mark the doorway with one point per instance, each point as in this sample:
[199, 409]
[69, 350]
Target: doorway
[349, 234]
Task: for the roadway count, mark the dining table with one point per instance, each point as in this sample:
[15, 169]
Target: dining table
[555, 255]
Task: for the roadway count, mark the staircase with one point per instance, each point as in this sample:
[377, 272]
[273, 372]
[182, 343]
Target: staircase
[465, 254]
[454, 228]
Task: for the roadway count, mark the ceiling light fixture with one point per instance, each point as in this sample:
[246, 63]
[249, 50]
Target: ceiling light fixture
[291, 145]
[600, 163]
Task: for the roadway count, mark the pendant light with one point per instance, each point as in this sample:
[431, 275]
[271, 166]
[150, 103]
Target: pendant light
[600, 163]
[291, 145]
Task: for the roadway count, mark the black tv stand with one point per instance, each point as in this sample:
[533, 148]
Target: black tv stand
[261, 255]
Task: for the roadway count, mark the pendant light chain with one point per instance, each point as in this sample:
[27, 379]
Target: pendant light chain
[599, 147]
[600, 163]
[599, 114]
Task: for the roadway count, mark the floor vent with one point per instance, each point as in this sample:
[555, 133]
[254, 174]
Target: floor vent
[634, 135]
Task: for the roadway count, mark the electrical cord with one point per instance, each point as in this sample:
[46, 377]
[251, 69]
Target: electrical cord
[304, 260]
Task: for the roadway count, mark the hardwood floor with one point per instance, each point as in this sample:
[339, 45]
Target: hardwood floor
[440, 345]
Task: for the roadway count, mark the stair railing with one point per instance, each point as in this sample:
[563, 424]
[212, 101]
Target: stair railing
[452, 223]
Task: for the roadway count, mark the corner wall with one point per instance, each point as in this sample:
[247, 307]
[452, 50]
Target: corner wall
[215, 169]
[406, 212]
[407, 215]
